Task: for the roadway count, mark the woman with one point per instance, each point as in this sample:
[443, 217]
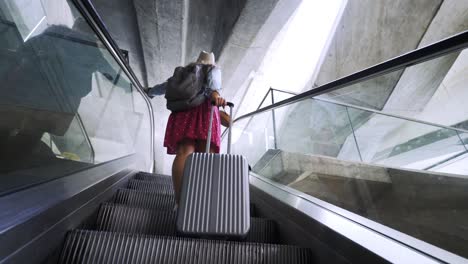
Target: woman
[187, 131]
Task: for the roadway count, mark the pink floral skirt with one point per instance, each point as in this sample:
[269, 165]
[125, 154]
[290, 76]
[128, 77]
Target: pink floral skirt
[192, 124]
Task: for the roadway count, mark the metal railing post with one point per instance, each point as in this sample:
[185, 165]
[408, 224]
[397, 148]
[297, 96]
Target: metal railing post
[274, 120]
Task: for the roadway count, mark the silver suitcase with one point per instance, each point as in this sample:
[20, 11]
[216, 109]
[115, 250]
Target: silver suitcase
[215, 200]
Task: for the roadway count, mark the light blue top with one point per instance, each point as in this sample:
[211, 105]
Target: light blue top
[213, 84]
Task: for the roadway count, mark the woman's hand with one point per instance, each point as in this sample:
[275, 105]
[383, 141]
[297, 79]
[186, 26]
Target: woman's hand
[217, 99]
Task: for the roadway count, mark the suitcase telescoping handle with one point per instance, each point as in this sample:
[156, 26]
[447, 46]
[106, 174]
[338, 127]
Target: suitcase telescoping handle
[208, 139]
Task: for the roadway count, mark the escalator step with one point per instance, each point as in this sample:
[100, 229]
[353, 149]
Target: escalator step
[262, 230]
[154, 177]
[118, 218]
[83, 246]
[253, 211]
[144, 199]
[150, 186]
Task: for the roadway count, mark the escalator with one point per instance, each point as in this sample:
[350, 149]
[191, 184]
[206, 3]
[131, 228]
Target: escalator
[138, 226]
[85, 193]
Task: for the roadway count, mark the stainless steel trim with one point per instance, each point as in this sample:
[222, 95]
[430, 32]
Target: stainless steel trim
[386, 242]
[24, 214]
[435, 50]
[22, 205]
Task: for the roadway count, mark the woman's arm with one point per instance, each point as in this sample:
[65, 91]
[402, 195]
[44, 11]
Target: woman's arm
[158, 89]
[214, 87]
[217, 99]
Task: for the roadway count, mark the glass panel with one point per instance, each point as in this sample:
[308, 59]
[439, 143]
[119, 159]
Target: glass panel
[325, 133]
[396, 142]
[372, 93]
[455, 163]
[313, 156]
[433, 91]
[313, 145]
[65, 103]
[254, 135]
[295, 132]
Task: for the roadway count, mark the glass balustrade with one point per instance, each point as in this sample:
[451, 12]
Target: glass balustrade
[387, 166]
[65, 103]
[353, 133]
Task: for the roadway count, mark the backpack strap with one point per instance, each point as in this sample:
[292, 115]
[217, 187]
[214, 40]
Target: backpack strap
[206, 71]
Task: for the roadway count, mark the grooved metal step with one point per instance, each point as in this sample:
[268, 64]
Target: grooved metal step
[262, 230]
[150, 186]
[118, 218]
[144, 199]
[153, 177]
[83, 246]
[142, 180]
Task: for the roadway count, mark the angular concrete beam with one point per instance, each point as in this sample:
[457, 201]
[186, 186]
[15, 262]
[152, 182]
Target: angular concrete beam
[419, 83]
[370, 32]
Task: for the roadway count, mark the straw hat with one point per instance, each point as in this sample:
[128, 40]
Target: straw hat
[206, 58]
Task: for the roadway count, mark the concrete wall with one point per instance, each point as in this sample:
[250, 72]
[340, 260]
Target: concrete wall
[419, 84]
[210, 24]
[371, 32]
[120, 19]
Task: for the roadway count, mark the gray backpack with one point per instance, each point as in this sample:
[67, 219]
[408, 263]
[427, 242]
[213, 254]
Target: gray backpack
[185, 89]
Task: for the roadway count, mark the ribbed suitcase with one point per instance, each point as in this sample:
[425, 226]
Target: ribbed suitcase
[215, 200]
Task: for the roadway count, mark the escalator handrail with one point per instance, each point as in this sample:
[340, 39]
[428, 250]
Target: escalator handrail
[90, 14]
[432, 51]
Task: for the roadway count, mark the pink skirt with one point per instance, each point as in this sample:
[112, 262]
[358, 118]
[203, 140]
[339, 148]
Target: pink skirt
[192, 124]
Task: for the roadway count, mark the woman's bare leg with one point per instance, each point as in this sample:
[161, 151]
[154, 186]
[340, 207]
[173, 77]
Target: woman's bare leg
[184, 149]
[201, 147]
